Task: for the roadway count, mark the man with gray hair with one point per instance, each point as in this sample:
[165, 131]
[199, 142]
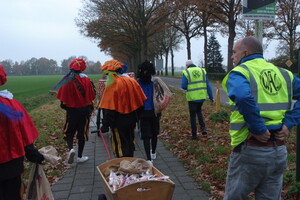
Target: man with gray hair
[197, 86]
[261, 96]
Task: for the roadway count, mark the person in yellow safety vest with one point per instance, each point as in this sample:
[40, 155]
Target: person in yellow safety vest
[195, 82]
[260, 96]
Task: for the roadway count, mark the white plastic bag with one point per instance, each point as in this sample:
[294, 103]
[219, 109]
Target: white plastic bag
[38, 187]
[162, 95]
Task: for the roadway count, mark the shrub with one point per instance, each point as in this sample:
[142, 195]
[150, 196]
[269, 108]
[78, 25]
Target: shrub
[220, 116]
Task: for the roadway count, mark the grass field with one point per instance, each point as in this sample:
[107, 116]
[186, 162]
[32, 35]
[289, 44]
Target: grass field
[33, 91]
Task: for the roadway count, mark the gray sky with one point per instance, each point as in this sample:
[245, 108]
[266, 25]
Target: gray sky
[46, 28]
[43, 28]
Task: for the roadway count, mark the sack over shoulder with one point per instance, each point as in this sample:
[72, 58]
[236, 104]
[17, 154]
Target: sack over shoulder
[38, 187]
[162, 95]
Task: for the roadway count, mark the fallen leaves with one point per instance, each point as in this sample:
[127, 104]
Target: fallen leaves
[206, 159]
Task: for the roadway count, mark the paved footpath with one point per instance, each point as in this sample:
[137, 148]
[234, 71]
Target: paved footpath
[82, 181]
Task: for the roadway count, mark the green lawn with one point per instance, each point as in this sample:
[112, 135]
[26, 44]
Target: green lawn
[33, 91]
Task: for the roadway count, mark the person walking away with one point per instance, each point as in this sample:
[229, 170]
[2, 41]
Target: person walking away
[149, 121]
[260, 96]
[76, 93]
[195, 82]
[17, 133]
[121, 99]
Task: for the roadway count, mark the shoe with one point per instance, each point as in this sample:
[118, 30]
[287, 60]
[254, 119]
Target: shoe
[203, 130]
[153, 156]
[70, 157]
[150, 162]
[82, 159]
[195, 138]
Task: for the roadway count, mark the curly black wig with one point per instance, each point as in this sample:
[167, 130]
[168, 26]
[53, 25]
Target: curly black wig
[145, 71]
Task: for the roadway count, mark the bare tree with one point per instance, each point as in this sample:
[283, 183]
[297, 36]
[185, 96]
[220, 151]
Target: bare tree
[166, 42]
[207, 20]
[124, 27]
[286, 24]
[244, 27]
[175, 40]
[227, 12]
[188, 21]
[8, 66]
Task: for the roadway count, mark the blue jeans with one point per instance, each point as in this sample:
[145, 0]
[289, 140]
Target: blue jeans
[195, 109]
[256, 169]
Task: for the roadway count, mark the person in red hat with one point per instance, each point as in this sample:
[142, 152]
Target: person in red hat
[76, 93]
[17, 133]
[121, 99]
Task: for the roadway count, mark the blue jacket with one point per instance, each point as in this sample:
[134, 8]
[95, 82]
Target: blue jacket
[148, 90]
[248, 107]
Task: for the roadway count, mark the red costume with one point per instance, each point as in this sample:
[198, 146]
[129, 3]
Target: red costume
[71, 96]
[76, 94]
[78, 91]
[17, 134]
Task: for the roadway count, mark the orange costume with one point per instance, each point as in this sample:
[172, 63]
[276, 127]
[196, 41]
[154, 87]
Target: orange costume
[121, 99]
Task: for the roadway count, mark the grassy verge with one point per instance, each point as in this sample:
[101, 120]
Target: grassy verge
[49, 120]
[207, 159]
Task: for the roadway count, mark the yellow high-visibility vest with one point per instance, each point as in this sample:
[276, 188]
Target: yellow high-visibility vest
[196, 88]
[271, 88]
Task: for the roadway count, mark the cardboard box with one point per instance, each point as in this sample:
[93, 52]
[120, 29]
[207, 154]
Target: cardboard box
[143, 190]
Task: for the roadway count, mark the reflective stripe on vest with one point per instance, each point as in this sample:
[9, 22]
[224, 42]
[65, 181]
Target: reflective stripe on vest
[196, 87]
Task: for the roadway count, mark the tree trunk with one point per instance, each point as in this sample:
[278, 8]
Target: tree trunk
[166, 62]
[231, 37]
[144, 55]
[188, 47]
[205, 45]
[172, 61]
[292, 45]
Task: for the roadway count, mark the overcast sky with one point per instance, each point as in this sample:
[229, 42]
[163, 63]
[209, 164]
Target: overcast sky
[46, 28]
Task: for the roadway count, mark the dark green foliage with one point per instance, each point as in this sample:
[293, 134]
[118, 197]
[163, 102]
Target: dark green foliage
[220, 116]
[290, 178]
[214, 56]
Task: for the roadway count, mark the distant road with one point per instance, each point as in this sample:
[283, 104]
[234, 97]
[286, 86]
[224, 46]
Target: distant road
[176, 83]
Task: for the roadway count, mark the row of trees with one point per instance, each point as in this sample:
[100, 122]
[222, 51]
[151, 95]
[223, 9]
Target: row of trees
[135, 30]
[44, 66]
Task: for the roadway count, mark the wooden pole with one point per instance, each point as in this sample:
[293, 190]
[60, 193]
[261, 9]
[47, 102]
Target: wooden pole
[218, 99]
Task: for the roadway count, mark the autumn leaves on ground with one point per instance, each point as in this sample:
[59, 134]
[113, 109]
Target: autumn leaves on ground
[206, 160]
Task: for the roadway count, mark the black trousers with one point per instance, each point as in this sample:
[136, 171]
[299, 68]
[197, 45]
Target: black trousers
[77, 120]
[122, 140]
[150, 128]
[195, 109]
[10, 189]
